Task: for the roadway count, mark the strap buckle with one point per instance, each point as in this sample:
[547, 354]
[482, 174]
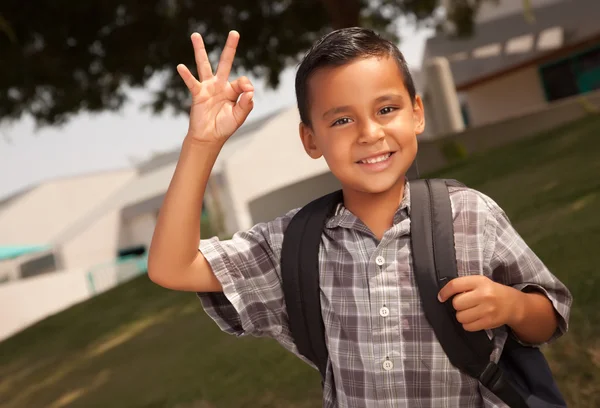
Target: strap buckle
[490, 376]
[494, 380]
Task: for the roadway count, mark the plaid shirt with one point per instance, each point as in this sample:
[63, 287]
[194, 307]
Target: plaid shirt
[382, 351]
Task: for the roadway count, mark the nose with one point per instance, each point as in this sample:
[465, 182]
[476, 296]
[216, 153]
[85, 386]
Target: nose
[371, 132]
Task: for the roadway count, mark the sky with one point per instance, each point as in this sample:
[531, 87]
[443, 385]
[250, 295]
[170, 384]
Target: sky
[108, 141]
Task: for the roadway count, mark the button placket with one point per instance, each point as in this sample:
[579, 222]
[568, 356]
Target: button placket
[384, 312]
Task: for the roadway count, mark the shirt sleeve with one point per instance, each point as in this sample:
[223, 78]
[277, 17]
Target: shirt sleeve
[515, 264]
[248, 268]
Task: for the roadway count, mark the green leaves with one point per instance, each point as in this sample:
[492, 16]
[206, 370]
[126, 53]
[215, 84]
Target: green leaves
[59, 58]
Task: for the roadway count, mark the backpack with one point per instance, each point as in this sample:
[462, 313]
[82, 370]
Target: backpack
[522, 377]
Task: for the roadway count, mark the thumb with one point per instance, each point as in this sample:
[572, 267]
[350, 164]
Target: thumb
[460, 285]
[243, 107]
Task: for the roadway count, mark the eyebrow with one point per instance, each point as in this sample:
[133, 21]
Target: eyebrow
[388, 97]
[345, 108]
[336, 110]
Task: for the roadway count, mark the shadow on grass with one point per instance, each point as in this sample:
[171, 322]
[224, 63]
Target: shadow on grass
[141, 346]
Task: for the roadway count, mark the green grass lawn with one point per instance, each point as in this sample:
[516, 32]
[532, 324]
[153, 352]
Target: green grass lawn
[142, 346]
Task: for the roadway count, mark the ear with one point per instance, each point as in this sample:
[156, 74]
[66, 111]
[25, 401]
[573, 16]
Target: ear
[419, 115]
[308, 141]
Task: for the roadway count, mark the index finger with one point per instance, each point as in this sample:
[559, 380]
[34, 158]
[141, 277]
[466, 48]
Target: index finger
[227, 56]
[458, 285]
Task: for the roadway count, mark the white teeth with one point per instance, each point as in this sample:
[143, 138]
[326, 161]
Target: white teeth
[377, 159]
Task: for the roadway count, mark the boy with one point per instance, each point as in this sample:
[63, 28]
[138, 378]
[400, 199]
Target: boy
[359, 112]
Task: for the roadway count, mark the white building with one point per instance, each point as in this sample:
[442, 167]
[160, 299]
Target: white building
[85, 221]
[33, 221]
[512, 66]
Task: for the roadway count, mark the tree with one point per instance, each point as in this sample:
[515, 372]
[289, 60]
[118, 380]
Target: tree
[62, 57]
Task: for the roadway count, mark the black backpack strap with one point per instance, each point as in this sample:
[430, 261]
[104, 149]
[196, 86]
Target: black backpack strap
[434, 258]
[300, 275]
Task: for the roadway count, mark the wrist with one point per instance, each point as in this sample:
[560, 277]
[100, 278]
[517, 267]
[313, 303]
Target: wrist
[518, 309]
[192, 143]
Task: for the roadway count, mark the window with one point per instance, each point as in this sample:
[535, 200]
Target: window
[37, 266]
[577, 74]
[559, 80]
[590, 61]
[464, 111]
[589, 67]
[132, 251]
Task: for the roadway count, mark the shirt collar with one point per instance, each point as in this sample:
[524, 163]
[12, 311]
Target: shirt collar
[343, 218]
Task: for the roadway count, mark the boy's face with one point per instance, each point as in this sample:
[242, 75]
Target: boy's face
[363, 123]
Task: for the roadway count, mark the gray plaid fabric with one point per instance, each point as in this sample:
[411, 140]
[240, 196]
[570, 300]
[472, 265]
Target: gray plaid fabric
[382, 352]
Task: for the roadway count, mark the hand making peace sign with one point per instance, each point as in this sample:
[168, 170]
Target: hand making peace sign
[217, 109]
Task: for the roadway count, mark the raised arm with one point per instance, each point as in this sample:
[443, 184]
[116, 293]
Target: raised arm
[219, 108]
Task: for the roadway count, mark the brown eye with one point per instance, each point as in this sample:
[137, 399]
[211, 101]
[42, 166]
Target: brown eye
[386, 110]
[341, 121]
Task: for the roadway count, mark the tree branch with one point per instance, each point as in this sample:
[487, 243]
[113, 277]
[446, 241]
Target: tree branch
[343, 13]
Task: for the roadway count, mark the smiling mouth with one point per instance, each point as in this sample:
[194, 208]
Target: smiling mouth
[377, 159]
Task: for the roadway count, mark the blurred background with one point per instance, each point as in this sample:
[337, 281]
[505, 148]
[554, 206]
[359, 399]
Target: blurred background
[92, 116]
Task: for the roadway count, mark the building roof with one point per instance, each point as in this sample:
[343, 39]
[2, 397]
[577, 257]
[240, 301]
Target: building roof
[5, 201]
[171, 157]
[38, 216]
[502, 44]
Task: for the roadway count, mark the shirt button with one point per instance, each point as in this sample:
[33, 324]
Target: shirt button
[388, 365]
[384, 311]
[379, 260]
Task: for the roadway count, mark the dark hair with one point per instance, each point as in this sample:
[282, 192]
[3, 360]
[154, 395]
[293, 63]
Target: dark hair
[341, 47]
